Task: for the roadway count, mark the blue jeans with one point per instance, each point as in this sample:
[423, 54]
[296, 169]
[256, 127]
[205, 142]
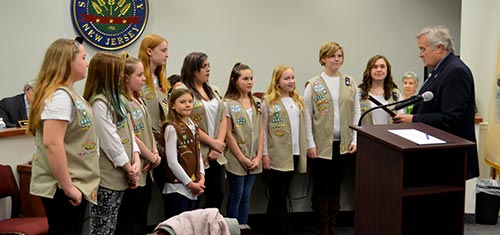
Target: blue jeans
[240, 188]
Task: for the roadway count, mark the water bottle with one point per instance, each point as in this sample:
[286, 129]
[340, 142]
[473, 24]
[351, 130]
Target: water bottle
[2, 124]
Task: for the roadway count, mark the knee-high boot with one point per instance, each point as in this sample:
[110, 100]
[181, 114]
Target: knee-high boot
[323, 215]
[333, 209]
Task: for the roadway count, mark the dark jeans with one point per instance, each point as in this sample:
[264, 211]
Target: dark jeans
[214, 185]
[238, 201]
[278, 184]
[63, 217]
[133, 212]
[328, 175]
[176, 203]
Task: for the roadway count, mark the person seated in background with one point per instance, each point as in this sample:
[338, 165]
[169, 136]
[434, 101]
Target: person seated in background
[410, 85]
[16, 108]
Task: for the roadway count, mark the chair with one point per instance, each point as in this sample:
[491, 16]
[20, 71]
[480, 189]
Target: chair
[18, 224]
[258, 94]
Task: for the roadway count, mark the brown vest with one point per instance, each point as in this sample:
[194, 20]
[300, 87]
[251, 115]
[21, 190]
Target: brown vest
[188, 153]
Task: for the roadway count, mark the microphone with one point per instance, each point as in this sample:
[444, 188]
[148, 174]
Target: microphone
[426, 96]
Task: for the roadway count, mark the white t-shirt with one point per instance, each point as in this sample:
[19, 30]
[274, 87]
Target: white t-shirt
[211, 107]
[379, 116]
[59, 107]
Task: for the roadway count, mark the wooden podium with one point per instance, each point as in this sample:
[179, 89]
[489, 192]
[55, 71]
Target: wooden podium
[405, 188]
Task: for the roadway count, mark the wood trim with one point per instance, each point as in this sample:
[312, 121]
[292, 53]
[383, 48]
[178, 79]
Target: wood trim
[14, 131]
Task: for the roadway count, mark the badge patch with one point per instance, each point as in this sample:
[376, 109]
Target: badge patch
[110, 25]
[85, 122]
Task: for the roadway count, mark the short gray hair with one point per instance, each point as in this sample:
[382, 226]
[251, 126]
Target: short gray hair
[437, 35]
[411, 75]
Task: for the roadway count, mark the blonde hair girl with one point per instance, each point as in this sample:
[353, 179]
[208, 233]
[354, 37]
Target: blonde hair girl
[284, 143]
[64, 125]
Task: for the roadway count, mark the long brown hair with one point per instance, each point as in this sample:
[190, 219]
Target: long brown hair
[389, 84]
[130, 63]
[172, 115]
[232, 91]
[54, 72]
[193, 63]
[104, 75]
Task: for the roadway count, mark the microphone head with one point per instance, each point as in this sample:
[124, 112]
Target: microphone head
[427, 96]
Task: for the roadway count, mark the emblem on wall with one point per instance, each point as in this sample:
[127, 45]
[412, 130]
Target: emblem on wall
[110, 24]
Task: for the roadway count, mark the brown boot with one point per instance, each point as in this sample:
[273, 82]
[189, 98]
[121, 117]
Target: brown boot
[323, 215]
[333, 209]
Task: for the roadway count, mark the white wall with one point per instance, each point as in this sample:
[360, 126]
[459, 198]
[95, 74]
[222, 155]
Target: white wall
[260, 33]
[480, 33]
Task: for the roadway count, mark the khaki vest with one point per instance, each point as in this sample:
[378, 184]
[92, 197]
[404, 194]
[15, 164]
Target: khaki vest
[188, 153]
[199, 117]
[157, 104]
[142, 129]
[80, 144]
[322, 116]
[365, 104]
[115, 178]
[279, 139]
[246, 135]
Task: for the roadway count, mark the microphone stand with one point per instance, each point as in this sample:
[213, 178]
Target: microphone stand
[377, 107]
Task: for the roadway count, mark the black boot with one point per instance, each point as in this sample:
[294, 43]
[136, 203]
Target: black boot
[323, 215]
[333, 209]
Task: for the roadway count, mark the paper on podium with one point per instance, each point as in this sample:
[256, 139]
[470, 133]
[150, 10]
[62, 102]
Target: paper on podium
[417, 136]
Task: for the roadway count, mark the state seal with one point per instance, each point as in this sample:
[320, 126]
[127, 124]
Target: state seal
[110, 24]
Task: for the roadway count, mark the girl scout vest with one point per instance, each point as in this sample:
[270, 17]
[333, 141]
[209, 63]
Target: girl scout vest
[365, 104]
[80, 144]
[157, 104]
[142, 129]
[279, 138]
[199, 117]
[322, 116]
[246, 134]
[115, 178]
[188, 153]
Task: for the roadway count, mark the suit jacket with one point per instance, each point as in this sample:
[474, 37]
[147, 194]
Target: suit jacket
[453, 106]
[13, 109]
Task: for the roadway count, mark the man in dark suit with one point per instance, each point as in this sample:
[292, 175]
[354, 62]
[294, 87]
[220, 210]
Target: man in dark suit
[451, 82]
[16, 108]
